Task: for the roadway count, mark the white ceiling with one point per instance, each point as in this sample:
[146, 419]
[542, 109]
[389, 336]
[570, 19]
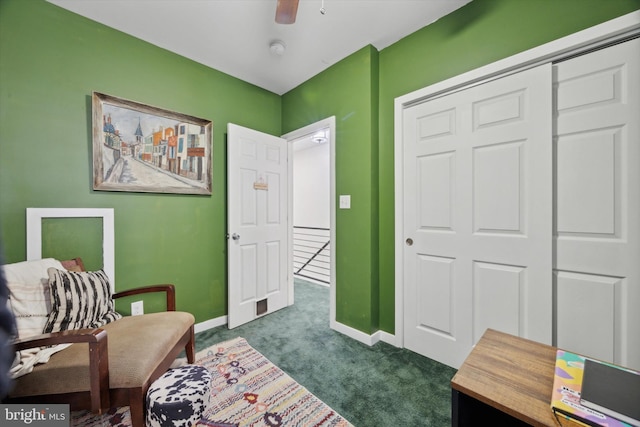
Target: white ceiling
[233, 36]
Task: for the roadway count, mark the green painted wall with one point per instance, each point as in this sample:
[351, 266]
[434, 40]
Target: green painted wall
[477, 34]
[50, 62]
[482, 32]
[348, 91]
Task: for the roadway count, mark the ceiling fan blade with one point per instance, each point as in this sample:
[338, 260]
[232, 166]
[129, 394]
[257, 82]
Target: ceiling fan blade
[286, 11]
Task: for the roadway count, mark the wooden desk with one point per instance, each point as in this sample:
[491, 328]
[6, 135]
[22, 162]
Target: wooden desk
[505, 381]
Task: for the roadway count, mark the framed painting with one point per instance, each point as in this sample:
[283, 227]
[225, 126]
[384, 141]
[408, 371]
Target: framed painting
[140, 148]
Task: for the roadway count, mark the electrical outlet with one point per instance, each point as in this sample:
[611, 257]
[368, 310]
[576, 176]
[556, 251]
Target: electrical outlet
[137, 308]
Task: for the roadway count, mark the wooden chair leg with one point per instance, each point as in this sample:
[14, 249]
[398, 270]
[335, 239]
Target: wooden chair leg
[99, 373]
[137, 408]
[190, 348]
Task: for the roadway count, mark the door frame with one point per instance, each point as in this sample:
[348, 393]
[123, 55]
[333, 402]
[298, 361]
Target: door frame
[330, 123]
[615, 30]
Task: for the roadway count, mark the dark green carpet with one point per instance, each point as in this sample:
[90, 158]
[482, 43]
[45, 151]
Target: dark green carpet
[370, 386]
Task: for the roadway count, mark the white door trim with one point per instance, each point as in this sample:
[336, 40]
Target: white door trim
[600, 35]
[310, 129]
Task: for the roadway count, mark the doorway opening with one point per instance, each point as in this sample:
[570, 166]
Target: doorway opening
[312, 205]
[311, 213]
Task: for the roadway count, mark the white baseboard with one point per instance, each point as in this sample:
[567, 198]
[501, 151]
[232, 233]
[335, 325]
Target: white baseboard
[362, 337]
[388, 338]
[354, 333]
[210, 324]
[336, 326]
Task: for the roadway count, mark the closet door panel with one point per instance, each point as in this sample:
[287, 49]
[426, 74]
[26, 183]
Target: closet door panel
[597, 192]
[478, 215]
[589, 309]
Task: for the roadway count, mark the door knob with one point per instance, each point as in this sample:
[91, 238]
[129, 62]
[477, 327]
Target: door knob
[235, 236]
[409, 241]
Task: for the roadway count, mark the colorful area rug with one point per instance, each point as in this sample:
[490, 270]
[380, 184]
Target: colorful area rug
[247, 390]
[120, 417]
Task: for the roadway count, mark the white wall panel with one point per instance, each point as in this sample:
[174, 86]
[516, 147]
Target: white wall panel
[311, 193]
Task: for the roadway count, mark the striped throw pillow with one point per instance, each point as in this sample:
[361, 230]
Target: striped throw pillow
[79, 300]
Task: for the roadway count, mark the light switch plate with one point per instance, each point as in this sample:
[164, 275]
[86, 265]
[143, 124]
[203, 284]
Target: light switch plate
[345, 201]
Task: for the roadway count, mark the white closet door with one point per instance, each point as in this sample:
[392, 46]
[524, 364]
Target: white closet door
[597, 228]
[478, 215]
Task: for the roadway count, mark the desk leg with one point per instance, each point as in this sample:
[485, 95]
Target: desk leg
[455, 408]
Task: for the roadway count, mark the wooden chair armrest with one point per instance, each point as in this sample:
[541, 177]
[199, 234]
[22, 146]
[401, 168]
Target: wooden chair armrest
[62, 337]
[170, 291]
[98, 358]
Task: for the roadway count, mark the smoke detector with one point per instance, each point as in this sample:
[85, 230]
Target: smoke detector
[277, 47]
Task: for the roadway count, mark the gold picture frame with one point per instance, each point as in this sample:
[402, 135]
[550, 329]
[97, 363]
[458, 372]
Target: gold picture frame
[140, 148]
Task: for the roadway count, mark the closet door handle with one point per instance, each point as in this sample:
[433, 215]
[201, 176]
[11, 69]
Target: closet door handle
[409, 241]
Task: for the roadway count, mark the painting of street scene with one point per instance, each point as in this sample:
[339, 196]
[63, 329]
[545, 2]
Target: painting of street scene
[147, 149]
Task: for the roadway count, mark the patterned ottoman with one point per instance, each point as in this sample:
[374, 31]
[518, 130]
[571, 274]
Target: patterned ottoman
[179, 397]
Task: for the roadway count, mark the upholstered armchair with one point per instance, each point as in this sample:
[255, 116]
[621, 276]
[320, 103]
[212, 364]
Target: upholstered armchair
[86, 354]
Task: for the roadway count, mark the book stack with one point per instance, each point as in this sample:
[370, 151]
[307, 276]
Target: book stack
[594, 393]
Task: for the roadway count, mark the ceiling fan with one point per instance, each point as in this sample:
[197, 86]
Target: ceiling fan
[286, 11]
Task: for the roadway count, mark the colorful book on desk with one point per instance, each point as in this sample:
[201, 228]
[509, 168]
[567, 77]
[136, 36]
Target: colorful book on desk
[565, 398]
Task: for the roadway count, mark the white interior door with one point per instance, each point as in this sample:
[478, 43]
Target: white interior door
[597, 230]
[258, 226]
[478, 215]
